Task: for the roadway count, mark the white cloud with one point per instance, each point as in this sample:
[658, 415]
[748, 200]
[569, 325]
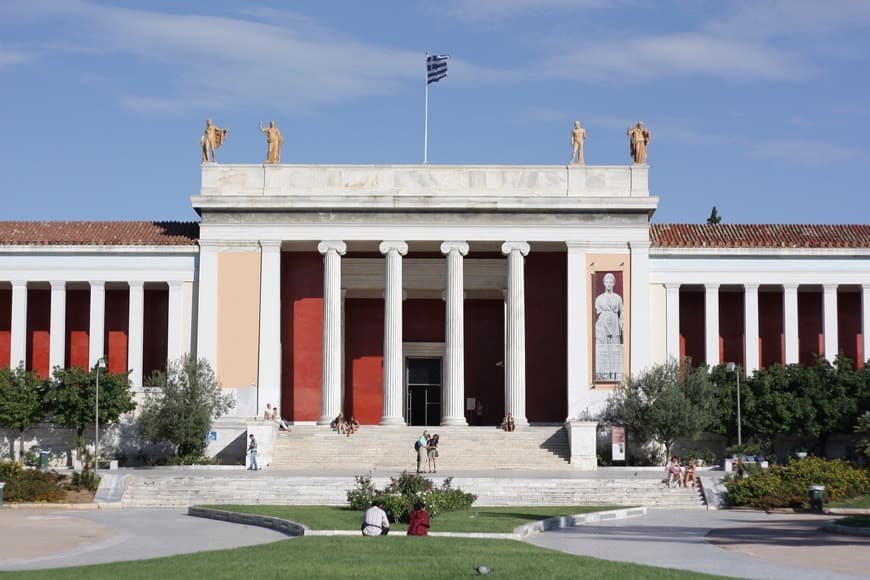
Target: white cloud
[788, 17]
[806, 152]
[9, 58]
[481, 9]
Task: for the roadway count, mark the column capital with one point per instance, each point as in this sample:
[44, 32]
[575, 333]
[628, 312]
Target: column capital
[338, 246]
[671, 286]
[175, 283]
[97, 283]
[521, 247]
[790, 286]
[19, 283]
[750, 286]
[58, 284]
[461, 247]
[830, 287]
[135, 284]
[712, 285]
[388, 246]
[272, 245]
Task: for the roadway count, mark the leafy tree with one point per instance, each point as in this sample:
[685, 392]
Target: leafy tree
[71, 402]
[663, 404]
[21, 396]
[190, 399]
[863, 431]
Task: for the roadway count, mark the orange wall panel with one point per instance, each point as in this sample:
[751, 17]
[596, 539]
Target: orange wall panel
[78, 321]
[484, 348]
[364, 366]
[811, 337]
[117, 322]
[731, 323]
[38, 325]
[238, 318]
[156, 326]
[770, 328]
[849, 326]
[5, 327]
[692, 326]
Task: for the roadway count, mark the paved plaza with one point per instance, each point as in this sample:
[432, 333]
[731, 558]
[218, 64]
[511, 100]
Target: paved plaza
[735, 543]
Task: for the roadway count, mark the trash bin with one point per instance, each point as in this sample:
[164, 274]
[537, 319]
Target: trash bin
[817, 497]
[2, 485]
[43, 459]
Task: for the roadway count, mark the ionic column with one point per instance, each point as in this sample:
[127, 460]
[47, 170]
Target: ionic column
[330, 405]
[269, 368]
[454, 349]
[750, 326]
[865, 319]
[831, 328]
[578, 337]
[135, 332]
[790, 322]
[672, 321]
[175, 328]
[57, 326]
[18, 346]
[639, 307]
[393, 363]
[97, 324]
[711, 323]
[515, 335]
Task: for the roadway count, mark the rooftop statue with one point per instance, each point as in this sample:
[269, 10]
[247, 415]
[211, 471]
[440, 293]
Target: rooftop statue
[578, 135]
[638, 138]
[212, 138]
[273, 142]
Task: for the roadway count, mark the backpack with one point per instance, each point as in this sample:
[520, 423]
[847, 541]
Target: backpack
[417, 445]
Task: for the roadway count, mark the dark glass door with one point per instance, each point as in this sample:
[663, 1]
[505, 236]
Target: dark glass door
[423, 376]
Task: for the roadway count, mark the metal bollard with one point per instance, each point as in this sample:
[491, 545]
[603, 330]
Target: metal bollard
[43, 459]
[817, 497]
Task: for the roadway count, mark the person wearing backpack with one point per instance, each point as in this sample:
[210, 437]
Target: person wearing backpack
[420, 447]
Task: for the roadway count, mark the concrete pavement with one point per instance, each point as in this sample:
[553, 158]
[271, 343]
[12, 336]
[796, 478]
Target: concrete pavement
[745, 544]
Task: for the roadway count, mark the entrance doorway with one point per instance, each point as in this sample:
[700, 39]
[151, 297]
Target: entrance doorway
[423, 381]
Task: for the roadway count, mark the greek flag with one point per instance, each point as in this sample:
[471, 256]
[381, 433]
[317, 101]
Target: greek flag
[436, 67]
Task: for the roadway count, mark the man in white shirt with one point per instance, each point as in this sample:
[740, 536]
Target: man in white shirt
[375, 521]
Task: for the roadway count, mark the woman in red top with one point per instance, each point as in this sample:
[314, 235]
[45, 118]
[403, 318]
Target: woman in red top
[418, 521]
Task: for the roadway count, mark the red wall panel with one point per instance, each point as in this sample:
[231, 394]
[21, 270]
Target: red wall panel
[849, 326]
[301, 334]
[364, 365]
[811, 338]
[78, 321]
[423, 320]
[155, 335]
[117, 322]
[5, 327]
[484, 349]
[731, 327]
[692, 326]
[38, 325]
[546, 282]
[770, 328]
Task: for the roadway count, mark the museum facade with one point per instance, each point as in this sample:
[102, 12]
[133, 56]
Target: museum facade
[428, 294]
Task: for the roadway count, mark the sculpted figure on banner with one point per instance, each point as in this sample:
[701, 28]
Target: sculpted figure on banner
[212, 138]
[274, 140]
[608, 332]
[638, 138]
[578, 135]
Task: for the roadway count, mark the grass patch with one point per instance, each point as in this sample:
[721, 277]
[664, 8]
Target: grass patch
[358, 557]
[855, 522]
[861, 501]
[476, 519]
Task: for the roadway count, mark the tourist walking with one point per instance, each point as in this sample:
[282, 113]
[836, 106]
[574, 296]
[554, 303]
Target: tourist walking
[252, 451]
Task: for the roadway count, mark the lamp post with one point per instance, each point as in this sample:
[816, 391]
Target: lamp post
[101, 364]
[732, 368]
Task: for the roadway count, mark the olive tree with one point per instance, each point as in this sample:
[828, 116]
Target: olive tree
[21, 401]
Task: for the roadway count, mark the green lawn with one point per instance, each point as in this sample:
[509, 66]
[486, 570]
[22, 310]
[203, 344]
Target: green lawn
[359, 557]
[482, 519]
[862, 501]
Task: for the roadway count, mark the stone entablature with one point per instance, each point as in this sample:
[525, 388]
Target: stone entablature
[424, 187]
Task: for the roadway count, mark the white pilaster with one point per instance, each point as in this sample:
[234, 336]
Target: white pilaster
[393, 360]
[269, 369]
[175, 328]
[454, 349]
[135, 332]
[831, 327]
[639, 307]
[865, 319]
[57, 326]
[18, 348]
[515, 337]
[97, 325]
[711, 324]
[330, 405]
[578, 328]
[750, 326]
[790, 322]
[206, 313]
[672, 324]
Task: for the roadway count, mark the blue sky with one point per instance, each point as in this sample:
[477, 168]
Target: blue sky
[760, 107]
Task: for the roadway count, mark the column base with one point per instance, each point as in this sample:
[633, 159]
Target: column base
[324, 420]
[454, 422]
[392, 422]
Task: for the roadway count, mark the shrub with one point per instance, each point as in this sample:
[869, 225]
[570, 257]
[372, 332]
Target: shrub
[86, 479]
[399, 497]
[29, 485]
[787, 485]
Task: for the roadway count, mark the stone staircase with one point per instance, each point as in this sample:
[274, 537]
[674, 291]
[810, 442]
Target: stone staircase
[263, 487]
[484, 448]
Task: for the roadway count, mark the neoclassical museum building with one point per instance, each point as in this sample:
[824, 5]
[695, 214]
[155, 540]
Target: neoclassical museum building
[414, 294]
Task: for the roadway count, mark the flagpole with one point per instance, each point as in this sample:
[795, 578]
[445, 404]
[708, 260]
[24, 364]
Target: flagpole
[426, 119]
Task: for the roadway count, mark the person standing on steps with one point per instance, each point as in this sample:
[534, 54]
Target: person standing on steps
[420, 446]
[252, 451]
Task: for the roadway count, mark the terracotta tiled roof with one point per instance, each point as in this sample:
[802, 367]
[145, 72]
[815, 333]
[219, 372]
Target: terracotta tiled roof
[759, 236]
[99, 233]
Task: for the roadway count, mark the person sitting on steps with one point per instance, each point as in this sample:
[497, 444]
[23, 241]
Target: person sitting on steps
[339, 424]
[352, 426]
[508, 423]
